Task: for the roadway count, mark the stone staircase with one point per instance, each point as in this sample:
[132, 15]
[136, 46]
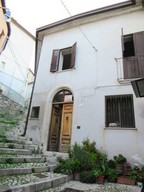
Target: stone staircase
[23, 166]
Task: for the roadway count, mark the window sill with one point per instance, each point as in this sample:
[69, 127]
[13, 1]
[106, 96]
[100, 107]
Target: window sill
[120, 128]
[34, 118]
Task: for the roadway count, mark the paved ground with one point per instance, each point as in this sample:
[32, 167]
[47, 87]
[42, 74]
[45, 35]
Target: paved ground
[76, 186]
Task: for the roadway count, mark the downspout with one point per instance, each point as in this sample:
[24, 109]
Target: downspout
[35, 72]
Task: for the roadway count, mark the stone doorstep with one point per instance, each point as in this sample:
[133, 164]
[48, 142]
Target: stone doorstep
[15, 151]
[24, 159]
[41, 185]
[16, 171]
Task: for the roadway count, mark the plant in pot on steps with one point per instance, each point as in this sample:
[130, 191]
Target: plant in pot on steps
[129, 180]
[112, 175]
[76, 168]
[99, 174]
[120, 161]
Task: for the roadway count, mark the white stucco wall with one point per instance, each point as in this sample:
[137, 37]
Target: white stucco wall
[16, 59]
[94, 77]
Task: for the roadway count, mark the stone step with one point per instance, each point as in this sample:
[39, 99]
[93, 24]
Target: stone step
[23, 159]
[20, 146]
[15, 151]
[19, 171]
[43, 184]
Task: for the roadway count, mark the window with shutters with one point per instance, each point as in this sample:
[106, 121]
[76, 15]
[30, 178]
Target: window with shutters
[119, 111]
[133, 55]
[63, 59]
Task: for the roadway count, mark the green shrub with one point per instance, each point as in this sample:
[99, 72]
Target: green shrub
[111, 164]
[89, 146]
[87, 177]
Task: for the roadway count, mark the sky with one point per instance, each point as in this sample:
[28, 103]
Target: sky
[33, 14]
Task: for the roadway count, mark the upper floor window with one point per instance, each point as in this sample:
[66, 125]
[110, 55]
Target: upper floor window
[119, 111]
[133, 55]
[63, 59]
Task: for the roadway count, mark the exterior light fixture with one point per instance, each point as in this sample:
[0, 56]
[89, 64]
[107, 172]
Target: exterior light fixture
[138, 87]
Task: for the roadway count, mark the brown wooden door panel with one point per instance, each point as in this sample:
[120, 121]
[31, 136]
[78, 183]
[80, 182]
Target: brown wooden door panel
[66, 128]
[54, 133]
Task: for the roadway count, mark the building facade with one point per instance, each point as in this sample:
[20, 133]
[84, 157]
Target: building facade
[17, 64]
[84, 67]
[5, 26]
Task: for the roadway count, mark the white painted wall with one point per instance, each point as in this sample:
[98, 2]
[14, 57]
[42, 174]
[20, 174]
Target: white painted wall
[94, 77]
[17, 59]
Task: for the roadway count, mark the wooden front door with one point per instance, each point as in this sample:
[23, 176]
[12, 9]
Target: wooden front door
[66, 127]
[55, 129]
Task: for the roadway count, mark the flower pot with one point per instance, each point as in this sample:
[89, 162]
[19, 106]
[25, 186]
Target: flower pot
[126, 180]
[120, 167]
[127, 171]
[76, 176]
[100, 179]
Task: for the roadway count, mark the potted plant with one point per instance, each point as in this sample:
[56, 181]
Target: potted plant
[120, 161]
[99, 174]
[76, 168]
[112, 174]
[129, 180]
[127, 168]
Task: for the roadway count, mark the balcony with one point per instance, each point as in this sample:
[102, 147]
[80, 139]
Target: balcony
[129, 68]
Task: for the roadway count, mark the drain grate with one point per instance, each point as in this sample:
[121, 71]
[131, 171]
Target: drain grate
[71, 190]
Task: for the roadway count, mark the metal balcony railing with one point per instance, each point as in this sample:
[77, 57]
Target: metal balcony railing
[130, 67]
[13, 95]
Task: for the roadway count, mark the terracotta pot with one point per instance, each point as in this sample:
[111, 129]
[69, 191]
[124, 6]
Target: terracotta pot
[127, 171]
[76, 176]
[100, 179]
[126, 180]
[120, 167]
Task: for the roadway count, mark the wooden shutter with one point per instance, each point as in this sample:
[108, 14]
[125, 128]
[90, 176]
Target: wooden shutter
[139, 51]
[55, 60]
[73, 56]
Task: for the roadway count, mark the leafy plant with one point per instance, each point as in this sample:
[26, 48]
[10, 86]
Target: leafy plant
[9, 160]
[87, 177]
[111, 164]
[112, 174]
[89, 146]
[11, 146]
[120, 159]
[134, 175]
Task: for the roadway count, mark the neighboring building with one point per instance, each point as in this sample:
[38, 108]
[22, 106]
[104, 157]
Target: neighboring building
[17, 63]
[84, 67]
[4, 27]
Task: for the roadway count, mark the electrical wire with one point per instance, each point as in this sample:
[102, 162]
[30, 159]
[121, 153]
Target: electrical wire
[79, 27]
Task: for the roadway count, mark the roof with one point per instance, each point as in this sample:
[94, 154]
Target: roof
[88, 14]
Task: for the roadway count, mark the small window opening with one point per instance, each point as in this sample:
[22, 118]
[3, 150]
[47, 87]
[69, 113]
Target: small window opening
[67, 56]
[35, 112]
[128, 46]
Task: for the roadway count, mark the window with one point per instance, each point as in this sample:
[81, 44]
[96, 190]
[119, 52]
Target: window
[63, 59]
[35, 112]
[133, 55]
[119, 111]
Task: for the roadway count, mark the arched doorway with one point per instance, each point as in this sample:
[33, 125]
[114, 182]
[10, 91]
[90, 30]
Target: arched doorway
[61, 121]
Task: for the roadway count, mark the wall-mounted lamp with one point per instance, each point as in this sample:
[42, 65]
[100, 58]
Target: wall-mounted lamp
[138, 87]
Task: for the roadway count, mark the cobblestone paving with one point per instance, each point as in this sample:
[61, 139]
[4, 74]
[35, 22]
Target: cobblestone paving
[108, 187]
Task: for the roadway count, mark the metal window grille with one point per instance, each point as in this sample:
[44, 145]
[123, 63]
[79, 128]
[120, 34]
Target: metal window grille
[120, 111]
